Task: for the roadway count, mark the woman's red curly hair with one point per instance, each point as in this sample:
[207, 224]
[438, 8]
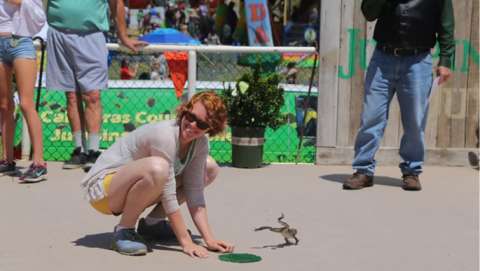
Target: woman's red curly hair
[216, 110]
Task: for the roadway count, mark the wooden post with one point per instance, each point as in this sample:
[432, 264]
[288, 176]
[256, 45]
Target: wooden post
[328, 69]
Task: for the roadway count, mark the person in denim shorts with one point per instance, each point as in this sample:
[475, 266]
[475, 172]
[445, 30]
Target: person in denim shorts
[19, 21]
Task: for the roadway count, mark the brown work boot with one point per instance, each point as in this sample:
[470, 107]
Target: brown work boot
[411, 183]
[358, 181]
[473, 159]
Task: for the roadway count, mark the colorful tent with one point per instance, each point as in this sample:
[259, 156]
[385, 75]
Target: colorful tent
[168, 36]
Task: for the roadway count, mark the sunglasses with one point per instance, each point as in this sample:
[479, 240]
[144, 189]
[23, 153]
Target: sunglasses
[202, 125]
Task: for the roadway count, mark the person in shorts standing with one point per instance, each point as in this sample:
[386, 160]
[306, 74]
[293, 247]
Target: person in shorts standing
[19, 21]
[77, 61]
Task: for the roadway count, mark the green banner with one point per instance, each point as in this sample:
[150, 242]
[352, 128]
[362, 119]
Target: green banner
[126, 109]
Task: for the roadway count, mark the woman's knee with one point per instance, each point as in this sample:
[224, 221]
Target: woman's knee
[6, 105]
[6, 102]
[156, 169]
[26, 105]
[211, 170]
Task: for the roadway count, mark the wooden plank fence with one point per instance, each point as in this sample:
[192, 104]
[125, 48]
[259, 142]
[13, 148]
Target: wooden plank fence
[346, 45]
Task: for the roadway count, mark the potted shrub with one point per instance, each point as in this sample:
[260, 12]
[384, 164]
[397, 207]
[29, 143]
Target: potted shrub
[253, 104]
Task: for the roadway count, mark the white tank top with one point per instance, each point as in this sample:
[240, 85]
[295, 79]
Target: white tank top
[6, 13]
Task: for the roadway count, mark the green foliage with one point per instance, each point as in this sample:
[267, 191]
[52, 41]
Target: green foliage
[255, 101]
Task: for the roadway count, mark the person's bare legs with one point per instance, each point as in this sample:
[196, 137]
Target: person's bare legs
[136, 186]
[6, 111]
[93, 122]
[211, 172]
[93, 111]
[26, 73]
[72, 111]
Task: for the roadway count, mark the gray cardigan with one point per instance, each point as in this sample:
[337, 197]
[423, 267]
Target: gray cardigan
[156, 139]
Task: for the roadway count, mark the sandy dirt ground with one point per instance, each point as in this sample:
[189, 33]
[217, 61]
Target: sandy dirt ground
[49, 226]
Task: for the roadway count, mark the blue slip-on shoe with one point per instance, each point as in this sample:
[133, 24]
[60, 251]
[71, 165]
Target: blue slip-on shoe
[129, 242]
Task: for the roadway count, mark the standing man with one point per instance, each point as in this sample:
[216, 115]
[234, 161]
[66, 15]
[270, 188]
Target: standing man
[405, 32]
[77, 61]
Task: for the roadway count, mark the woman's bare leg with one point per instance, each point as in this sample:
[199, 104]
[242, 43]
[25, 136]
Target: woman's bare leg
[6, 111]
[211, 173]
[26, 74]
[136, 186]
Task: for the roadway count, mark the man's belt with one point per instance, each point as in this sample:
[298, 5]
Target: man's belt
[401, 51]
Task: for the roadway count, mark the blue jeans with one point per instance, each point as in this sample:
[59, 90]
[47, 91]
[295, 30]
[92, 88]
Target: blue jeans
[410, 77]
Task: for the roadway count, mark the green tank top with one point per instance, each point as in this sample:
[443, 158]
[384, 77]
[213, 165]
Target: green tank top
[179, 165]
[78, 15]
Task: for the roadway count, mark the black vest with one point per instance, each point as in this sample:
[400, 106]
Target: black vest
[409, 23]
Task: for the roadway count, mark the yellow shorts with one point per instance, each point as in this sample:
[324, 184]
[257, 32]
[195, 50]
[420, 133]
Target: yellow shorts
[102, 205]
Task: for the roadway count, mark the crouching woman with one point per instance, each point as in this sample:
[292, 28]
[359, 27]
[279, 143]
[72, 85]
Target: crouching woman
[163, 164]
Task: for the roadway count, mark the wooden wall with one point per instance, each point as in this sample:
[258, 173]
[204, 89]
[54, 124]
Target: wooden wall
[345, 49]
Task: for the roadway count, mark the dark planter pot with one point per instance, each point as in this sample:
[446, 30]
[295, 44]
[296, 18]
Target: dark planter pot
[247, 146]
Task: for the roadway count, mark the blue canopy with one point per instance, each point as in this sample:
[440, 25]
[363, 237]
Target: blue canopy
[169, 36]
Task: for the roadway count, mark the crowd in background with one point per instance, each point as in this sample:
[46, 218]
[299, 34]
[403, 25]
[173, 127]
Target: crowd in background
[221, 21]
[214, 22]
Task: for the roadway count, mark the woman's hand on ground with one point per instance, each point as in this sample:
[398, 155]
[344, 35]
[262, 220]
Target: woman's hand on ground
[219, 245]
[194, 250]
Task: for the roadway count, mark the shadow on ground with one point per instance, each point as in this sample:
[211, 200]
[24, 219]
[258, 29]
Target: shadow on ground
[227, 164]
[380, 180]
[104, 241]
[281, 245]
[15, 174]
[98, 240]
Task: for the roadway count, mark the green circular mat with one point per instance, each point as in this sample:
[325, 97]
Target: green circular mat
[240, 258]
